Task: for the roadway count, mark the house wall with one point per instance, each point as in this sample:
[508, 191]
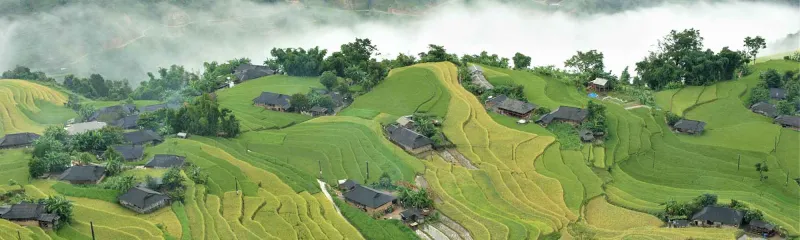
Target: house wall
[514, 114]
[144, 210]
[380, 209]
[419, 150]
[271, 107]
[87, 182]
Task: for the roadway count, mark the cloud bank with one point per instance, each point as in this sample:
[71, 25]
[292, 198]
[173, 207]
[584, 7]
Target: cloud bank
[127, 43]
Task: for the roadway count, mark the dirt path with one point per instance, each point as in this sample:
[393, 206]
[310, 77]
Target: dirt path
[453, 156]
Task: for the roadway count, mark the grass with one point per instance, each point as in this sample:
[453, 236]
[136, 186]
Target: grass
[375, 229]
[14, 165]
[405, 91]
[602, 214]
[240, 100]
[86, 192]
[19, 111]
[358, 112]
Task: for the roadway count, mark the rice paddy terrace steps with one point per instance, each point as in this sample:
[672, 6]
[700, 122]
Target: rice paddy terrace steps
[22, 105]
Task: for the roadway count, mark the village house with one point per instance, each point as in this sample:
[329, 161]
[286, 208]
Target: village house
[316, 111]
[347, 185]
[777, 93]
[689, 126]
[405, 121]
[142, 137]
[679, 223]
[156, 107]
[765, 108]
[165, 161]
[761, 228]
[273, 101]
[112, 113]
[713, 216]
[90, 174]
[368, 199]
[30, 214]
[78, 128]
[18, 140]
[143, 200]
[510, 107]
[599, 84]
[566, 114]
[412, 217]
[127, 122]
[409, 140]
[476, 74]
[246, 72]
[788, 121]
[130, 153]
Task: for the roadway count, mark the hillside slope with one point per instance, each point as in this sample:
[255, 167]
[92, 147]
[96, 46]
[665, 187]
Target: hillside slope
[26, 106]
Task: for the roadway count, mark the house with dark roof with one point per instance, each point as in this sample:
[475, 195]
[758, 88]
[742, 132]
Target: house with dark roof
[156, 107]
[316, 111]
[128, 122]
[143, 200]
[510, 107]
[29, 214]
[689, 126]
[679, 223]
[273, 101]
[777, 93]
[246, 72]
[765, 108]
[83, 174]
[713, 216]
[142, 137]
[566, 114]
[788, 121]
[412, 217]
[477, 77]
[18, 140]
[112, 113]
[368, 199]
[408, 139]
[130, 152]
[761, 228]
[347, 184]
[165, 161]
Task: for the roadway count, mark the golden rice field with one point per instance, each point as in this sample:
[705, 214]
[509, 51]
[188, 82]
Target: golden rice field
[20, 100]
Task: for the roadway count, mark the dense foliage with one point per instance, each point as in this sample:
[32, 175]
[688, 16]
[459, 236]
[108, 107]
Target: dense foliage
[374, 229]
[680, 58]
[21, 72]
[596, 120]
[168, 84]
[97, 87]
[60, 206]
[203, 116]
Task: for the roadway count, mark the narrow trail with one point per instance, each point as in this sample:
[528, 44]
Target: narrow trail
[328, 196]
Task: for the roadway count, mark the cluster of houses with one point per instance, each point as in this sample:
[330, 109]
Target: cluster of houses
[769, 110]
[505, 105]
[715, 216]
[374, 202]
[247, 72]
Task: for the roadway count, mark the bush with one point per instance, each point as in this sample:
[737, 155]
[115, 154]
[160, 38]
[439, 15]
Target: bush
[672, 118]
[674, 85]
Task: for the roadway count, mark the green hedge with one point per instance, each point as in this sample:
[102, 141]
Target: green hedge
[375, 229]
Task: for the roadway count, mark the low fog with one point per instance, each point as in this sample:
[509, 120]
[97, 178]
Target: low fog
[127, 43]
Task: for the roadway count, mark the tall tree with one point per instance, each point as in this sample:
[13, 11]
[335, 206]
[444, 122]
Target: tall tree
[753, 45]
[299, 102]
[590, 64]
[60, 206]
[328, 79]
[772, 78]
[521, 61]
[625, 76]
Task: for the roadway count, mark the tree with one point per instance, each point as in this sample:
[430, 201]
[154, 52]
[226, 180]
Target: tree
[785, 107]
[772, 78]
[590, 64]
[120, 183]
[328, 79]
[705, 200]
[172, 181]
[758, 94]
[60, 206]
[762, 168]
[751, 215]
[113, 166]
[298, 61]
[84, 158]
[625, 76]
[402, 60]
[437, 53]
[299, 102]
[672, 118]
[151, 182]
[521, 61]
[753, 45]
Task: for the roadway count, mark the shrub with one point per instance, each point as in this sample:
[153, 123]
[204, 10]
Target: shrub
[672, 118]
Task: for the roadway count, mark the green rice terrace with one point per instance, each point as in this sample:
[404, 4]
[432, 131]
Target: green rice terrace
[496, 178]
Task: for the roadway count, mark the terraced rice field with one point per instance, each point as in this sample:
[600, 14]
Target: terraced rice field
[490, 202]
[405, 91]
[240, 100]
[23, 103]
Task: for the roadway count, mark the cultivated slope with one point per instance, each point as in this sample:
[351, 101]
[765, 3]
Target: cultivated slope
[26, 106]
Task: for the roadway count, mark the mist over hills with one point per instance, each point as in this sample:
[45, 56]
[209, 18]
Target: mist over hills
[126, 42]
